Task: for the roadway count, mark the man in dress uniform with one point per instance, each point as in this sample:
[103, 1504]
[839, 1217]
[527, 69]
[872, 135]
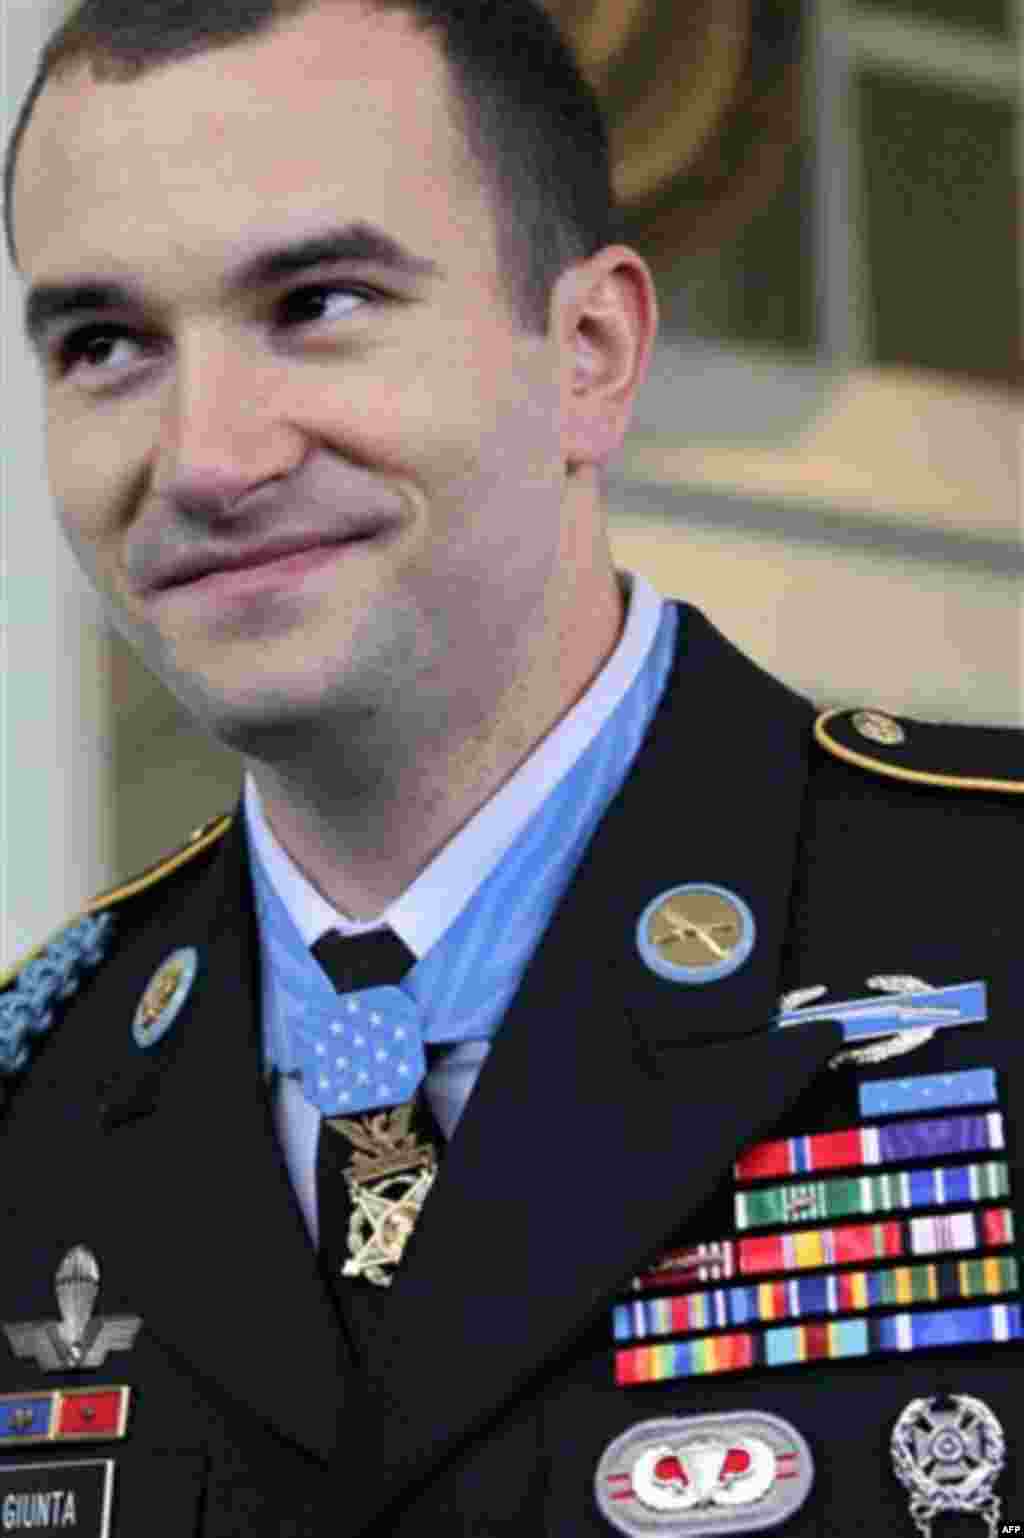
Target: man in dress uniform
[577, 1089]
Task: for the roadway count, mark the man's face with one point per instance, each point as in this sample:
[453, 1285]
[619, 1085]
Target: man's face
[396, 411]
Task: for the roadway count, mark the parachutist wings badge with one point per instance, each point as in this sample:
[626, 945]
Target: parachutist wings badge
[76, 1341]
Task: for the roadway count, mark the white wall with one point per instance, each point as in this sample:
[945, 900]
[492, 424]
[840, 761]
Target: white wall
[56, 788]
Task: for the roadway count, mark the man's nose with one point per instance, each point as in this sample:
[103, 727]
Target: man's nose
[225, 433]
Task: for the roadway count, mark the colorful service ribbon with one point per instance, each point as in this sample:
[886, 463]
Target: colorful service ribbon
[844, 1292]
[845, 1244]
[927, 1092]
[64, 1415]
[834, 1283]
[902, 1191]
[689, 1267]
[830, 1340]
[856, 1147]
[851, 1243]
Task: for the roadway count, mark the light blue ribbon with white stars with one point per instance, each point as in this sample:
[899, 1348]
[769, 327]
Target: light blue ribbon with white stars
[363, 1049]
[352, 1050]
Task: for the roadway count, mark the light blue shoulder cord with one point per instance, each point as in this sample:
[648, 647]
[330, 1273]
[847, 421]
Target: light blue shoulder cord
[27, 1008]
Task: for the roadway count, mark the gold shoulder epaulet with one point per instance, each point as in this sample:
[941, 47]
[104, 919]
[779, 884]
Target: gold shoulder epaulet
[946, 757]
[201, 839]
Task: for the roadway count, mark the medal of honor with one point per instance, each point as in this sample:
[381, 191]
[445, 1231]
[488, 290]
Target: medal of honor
[388, 1183]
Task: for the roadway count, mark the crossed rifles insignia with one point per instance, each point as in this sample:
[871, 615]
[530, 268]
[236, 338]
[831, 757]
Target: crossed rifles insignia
[388, 1182]
[680, 936]
[76, 1341]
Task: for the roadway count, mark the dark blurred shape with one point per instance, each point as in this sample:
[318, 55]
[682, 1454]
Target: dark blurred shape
[993, 17]
[943, 274]
[704, 99]
[714, 152]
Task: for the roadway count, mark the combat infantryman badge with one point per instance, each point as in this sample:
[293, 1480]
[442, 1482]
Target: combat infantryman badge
[388, 1183]
[77, 1341]
[906, 1020]
[949, 1452]
[704, 1475]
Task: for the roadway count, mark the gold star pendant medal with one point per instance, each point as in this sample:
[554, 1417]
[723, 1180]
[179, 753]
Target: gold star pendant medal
[388, 1181]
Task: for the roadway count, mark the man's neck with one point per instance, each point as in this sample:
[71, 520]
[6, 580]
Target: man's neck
[362, 820]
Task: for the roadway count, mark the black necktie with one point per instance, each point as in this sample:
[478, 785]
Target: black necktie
[373, 1170]
[376, 960]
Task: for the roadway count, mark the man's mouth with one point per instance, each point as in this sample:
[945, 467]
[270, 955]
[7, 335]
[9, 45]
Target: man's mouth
[256, 567]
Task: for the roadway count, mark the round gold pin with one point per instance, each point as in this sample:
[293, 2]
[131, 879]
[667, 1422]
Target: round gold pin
[877, 727]
[696, 933]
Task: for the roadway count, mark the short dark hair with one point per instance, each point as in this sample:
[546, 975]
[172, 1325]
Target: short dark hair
[532, 123]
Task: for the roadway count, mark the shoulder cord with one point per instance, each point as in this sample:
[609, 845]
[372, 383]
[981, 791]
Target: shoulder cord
[27, 1009]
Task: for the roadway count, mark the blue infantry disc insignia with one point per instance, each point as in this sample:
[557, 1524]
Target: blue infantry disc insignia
[165, 994]
[948, 1453]
[704, 1475]
[76, 1341]
[696, 933]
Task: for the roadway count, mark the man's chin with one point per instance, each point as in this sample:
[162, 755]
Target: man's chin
[270, 695]
[269, 718]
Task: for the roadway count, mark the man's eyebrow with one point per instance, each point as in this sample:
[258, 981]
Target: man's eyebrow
[356, 243]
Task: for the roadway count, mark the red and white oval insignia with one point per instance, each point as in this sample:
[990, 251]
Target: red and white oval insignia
[704, 1475]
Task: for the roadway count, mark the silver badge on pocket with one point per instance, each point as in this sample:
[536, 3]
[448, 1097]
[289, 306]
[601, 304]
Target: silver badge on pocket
[949, 1452]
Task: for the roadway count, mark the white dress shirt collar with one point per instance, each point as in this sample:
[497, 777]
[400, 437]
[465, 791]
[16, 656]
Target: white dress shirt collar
[422, 913]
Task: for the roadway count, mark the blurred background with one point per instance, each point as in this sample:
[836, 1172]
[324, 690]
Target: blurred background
[826, 458]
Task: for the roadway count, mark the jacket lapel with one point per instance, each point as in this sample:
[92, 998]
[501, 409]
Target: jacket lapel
[220, 1264]
[612, 1101]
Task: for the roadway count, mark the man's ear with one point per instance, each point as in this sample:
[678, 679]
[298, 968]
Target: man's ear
[605, 314]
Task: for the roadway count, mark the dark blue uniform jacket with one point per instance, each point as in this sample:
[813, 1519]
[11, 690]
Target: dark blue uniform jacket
[478, 1395]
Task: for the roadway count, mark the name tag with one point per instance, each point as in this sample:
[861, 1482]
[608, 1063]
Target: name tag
[57, 1498]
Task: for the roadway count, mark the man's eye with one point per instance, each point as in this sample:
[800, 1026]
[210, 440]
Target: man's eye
[303, 306]
[73, 349]
[319, 295]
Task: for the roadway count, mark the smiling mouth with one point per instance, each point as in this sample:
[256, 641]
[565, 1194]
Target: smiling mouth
[264, 573]
[265, 566]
